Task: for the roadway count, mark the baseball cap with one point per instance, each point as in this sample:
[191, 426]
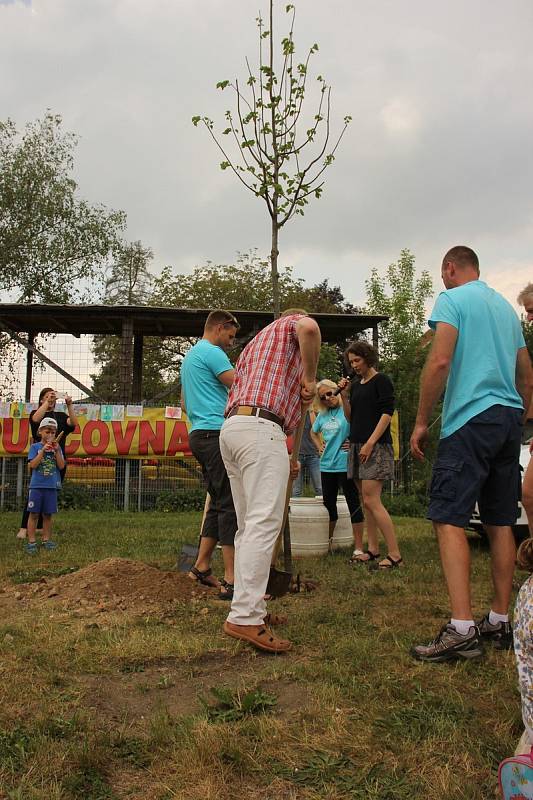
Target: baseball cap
[48, 422]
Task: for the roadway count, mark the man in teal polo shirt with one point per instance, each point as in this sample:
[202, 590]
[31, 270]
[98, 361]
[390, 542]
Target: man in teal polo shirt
[479, 355]
[206, 376]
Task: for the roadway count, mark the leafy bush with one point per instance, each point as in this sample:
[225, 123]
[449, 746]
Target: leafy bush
[73, 496]
[77, 497]
[405, 505]
[181, 500]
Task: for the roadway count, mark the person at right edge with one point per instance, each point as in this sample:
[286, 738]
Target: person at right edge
[523, 613]
[479, 355]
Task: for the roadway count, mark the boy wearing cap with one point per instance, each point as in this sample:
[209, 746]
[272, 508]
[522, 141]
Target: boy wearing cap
[46, 460]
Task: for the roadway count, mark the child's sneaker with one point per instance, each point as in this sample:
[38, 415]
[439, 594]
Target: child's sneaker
[49, 545]
[31, 548]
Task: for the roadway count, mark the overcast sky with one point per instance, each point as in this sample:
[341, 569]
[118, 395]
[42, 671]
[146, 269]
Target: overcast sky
[439, 151]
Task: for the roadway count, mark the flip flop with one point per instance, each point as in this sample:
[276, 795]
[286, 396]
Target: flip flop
[390, 563]
[259, 636]
[371, 557]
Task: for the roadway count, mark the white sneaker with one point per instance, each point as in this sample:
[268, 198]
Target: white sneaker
[22, 533]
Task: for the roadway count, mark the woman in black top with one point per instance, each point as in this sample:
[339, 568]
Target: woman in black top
[368, 407]
[65, 424]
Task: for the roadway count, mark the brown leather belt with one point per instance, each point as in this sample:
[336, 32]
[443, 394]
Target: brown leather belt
[255, 411]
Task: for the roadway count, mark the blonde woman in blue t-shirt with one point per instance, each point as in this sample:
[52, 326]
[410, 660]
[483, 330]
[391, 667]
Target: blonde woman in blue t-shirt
[330, 433]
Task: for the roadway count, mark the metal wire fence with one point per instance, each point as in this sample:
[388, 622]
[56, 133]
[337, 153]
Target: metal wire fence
[92, 481]
[96, 483]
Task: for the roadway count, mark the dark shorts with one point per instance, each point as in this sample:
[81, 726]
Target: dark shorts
[221, 520]
[479, 462]
[42, 501]
[379, 467]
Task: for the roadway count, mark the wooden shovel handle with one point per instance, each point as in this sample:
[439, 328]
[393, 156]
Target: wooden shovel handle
[294, 458]
[206, 509]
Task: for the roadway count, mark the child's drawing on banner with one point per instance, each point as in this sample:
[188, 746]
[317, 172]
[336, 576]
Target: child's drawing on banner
[106, 413]
[173, 412]
[118, 413]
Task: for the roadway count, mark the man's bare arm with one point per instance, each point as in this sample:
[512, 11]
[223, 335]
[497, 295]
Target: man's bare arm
[309, 339]
[432, 383]
[227, 377]
[436, 370]
[524, 378]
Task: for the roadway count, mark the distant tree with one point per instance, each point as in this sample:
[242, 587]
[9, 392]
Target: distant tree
[158, 370]
[53, 245]
[323, 298]
[10, 353]
[402, 296]
[246, 285]
[129, 282]
[271, 135]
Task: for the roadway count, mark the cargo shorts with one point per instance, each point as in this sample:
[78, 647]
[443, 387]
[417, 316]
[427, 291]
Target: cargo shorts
[480, 462]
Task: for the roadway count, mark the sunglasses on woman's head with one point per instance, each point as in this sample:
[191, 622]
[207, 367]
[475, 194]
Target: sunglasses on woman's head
[325, 395]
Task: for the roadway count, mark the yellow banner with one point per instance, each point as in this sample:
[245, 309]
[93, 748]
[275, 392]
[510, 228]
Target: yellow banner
[395, 433]
[153, 434]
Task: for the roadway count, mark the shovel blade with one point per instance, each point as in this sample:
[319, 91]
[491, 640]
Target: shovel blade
[278, 582]
[187, 557]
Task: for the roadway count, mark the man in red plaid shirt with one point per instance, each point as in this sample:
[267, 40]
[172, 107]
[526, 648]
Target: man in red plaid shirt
[274, 375]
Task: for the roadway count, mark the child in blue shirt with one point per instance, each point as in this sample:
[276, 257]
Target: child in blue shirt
[331, 423]
[45, 459]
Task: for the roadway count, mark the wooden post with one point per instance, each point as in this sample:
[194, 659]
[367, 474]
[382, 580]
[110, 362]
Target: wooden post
[126, 361]
[29, 368]
[138, 342]
[375, 337]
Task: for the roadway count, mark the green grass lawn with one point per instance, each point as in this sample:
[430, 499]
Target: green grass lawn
[116, 708]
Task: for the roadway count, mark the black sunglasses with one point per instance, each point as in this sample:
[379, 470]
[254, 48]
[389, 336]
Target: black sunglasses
[325, 395]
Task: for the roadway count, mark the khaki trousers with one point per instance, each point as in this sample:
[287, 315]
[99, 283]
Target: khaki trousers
[255, 454]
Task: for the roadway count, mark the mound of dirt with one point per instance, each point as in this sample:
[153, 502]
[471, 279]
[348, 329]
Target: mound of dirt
[116, 584]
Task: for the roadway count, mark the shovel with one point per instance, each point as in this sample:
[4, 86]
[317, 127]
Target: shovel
[279, 581]
[189, 552]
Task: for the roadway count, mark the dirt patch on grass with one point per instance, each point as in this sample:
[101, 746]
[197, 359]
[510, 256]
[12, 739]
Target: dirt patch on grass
[135, 698]
[114, 584]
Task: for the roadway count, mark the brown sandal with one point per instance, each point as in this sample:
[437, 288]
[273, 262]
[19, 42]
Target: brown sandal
[390, 563]
[275, 619]
[259, 635]
[203, 577]
[370, 557]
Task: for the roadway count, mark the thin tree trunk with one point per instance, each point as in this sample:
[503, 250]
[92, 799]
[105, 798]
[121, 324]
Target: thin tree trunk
[274, 269]
[274, 216]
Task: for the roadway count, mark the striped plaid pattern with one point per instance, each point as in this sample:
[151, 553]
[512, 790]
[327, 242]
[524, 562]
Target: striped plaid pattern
[268, 372]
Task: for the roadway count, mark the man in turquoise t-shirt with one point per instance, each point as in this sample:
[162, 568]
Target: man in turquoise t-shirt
[479, 355]
[206, 376]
